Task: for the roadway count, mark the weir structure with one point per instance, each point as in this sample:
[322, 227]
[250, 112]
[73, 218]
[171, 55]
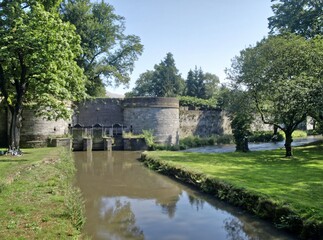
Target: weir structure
[99, 124]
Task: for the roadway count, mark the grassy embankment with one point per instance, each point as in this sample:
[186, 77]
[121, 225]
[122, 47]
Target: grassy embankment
[37, 197]
[288, 191]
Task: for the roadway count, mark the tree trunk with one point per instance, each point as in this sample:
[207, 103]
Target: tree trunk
[288, 143]
[242, 144]
[14, 131]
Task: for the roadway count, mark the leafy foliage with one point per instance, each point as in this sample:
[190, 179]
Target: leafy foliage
[303, 17]
[201, 85]
[163, 81]
[283, 74]
[265, 136]
[37, 63]
[108, 53]
[194, 102]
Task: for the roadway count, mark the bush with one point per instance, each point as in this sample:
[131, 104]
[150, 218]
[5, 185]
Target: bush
[203, 104]
[224, 139]
[265, 136]
[297, 134]
[194, 141]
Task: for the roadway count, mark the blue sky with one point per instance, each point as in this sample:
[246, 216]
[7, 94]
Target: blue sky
[202, 33]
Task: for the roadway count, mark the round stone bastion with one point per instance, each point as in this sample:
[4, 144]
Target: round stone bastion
[160, 115]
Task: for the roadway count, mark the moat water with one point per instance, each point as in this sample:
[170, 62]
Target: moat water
[125, 201]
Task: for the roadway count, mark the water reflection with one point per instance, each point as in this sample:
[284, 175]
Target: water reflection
[125, 200]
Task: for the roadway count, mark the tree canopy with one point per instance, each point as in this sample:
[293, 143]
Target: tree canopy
[201, 85]
[283, 74]
[303, 17]
[108, 53]
[163, 81]
[37, 63]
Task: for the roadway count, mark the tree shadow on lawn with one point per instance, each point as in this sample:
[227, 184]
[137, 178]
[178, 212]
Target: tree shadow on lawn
[12, 160]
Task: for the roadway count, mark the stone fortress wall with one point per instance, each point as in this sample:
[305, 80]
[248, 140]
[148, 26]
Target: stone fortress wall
[161, 115]
[168, 121]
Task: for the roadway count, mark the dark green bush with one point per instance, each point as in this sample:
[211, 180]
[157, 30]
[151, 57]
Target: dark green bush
[194, 102]
[265, 136]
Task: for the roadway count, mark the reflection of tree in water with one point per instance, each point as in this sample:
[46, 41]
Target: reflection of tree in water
[121, 222]
[169, 209]
[197, 202]
[235, 230]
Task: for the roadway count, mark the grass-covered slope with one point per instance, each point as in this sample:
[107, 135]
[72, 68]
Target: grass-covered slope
[37, 199]
[288, 191]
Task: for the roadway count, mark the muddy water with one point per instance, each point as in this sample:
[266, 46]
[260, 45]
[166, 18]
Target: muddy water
[125, 200]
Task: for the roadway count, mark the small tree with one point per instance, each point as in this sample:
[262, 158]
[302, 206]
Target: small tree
[37, 67]
[240, 109]
[282, 74]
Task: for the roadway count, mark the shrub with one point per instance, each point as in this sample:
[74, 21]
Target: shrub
[297, 134]
[265, 136]
[149, 137]
[203, 104]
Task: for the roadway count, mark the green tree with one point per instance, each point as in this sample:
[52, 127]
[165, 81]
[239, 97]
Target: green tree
[201, 85]
[163, 81]
[168, 82]
[144, 85]
[282, 73]
[211, 82]
[195, 86]
[108, 53]
[37, 66]
[303, 17]
[240, 109]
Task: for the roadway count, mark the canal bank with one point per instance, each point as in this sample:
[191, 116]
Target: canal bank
[126, 200]
[196, 170]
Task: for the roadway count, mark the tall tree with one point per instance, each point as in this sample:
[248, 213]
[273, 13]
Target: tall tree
[108, 53]
[303, 17]
[211, 82]
[37, 63]
[168, 82]
[163, 81]
[200, 84]
[282, 73]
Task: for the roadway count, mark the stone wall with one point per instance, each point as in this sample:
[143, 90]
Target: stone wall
[104, 111]
[39, 129]
[203, 123]
[161, 115]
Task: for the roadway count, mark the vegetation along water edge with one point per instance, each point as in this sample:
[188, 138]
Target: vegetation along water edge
[37, 197]
[286, 191]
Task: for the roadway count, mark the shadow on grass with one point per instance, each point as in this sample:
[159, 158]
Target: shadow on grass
[12, 160]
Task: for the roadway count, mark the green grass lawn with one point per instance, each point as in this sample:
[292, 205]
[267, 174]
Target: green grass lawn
[33, 194]
[296, 181]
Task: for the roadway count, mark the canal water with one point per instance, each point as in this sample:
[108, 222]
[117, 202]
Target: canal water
[126, 201]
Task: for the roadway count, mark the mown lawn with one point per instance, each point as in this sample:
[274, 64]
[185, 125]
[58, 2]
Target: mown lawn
[296, 181]
[33, 191]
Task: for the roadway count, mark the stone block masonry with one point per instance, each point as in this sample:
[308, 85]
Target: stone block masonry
[203, 123]
[160, 115]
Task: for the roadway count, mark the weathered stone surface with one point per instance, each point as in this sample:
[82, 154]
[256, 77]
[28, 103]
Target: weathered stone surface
[105, 111]
[203, 123]
[38, 129]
